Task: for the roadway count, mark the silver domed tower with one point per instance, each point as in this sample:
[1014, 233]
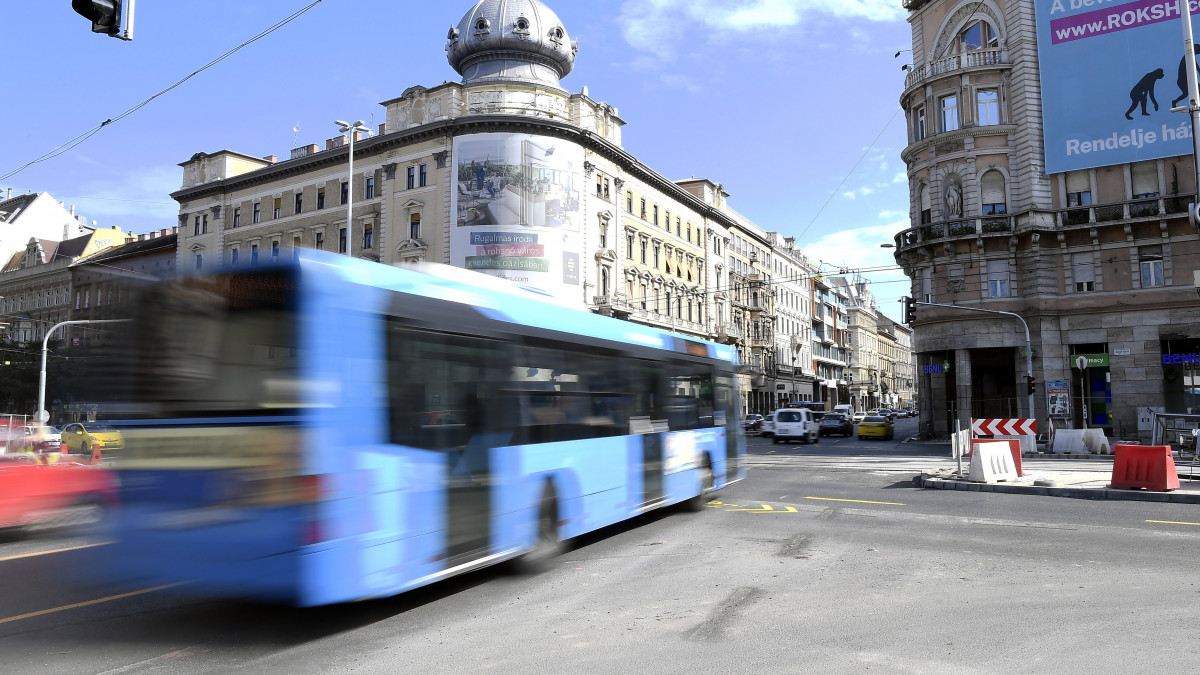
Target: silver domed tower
[511, 40]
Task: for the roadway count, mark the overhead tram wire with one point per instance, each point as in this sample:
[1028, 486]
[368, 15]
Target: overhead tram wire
[81, 138]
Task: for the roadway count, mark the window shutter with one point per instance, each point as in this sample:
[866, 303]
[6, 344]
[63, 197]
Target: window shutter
[993, 188]
[1078, 181]
[1082, 269]
[925, 198]
[1145, 178]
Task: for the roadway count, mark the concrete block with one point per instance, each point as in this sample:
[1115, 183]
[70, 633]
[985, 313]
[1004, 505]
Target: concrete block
[992, 462]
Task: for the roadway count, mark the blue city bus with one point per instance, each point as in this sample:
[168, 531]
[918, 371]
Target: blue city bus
[329, 429]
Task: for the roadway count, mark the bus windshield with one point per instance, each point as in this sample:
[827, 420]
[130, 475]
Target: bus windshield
[219, 346]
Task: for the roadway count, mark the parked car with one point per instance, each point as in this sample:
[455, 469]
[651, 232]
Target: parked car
[858, 417]
[43, 438]
[876, 426]
[753, 422]
[836, 423]
[795, 423]
[79, 437]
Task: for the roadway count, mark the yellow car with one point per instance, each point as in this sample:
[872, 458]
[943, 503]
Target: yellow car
[876, 427]
[79, 437]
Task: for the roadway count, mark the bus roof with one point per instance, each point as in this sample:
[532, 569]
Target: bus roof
[504, 301]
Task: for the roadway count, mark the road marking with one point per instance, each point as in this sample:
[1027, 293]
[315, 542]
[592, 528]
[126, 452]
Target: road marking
[57, 550]
[856, 501]
[1172, 522]
[89, 602]
[766, 508]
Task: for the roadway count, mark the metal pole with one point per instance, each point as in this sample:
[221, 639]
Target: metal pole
[1189, 58]
[45, 348]
[350, 200]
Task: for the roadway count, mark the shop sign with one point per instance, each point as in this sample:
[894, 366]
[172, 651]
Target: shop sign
[1169, 359]
[1121, 351]
[932, 368]
[1082, 361]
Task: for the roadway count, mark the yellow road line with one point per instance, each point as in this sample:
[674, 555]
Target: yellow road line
[1172, 522]
[57, 550]
[89, 602]
[856, 501]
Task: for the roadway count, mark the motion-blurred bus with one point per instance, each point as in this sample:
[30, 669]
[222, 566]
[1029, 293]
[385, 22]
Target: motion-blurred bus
[330, 429]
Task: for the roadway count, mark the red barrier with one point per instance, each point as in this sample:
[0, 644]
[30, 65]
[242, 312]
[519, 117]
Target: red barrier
[1014, 447]
[1149, 467]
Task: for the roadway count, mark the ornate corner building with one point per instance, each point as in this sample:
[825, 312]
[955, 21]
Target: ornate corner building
[1097, 260]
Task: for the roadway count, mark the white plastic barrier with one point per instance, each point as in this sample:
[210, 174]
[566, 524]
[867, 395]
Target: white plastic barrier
[1096, 442]
[1069, 441]
[991, 462]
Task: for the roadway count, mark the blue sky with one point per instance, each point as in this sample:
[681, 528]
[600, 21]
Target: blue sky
[775, 99]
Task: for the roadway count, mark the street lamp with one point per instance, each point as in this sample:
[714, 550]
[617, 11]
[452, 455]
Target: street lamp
[42, 415]
[351, 129]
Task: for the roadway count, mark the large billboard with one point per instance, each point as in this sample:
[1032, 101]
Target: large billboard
[1111, 72]
[518, 209]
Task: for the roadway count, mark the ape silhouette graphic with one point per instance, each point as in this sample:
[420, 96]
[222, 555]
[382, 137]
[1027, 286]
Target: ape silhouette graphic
[1142, 90]
[1182, 81]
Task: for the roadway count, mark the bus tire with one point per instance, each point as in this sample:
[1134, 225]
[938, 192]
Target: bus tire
[707, 490]
[548, 544]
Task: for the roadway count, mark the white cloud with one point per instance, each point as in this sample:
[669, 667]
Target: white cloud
[137, 201]
[859, 250]
[854, 193]
[656, 26]
[901, 177]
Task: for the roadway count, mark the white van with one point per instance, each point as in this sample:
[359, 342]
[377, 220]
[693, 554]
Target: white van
[845, 408]
[795, 423]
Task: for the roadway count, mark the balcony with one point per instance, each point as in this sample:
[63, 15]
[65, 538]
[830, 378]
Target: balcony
[975, 58]
[1135, 210]
[616, 305]
[728, 333]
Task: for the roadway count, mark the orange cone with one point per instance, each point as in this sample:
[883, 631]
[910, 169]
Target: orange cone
[96, 456]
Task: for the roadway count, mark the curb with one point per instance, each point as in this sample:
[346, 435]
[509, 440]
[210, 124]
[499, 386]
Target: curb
[926, 481]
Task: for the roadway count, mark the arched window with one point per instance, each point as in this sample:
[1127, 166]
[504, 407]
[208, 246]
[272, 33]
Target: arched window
[977, 35]
[992, 192]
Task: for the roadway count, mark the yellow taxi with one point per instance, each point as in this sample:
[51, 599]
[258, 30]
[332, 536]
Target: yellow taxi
[79, 437]
[875, 426]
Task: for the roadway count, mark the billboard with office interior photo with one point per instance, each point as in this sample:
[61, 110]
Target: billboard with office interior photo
[1110, 74]
[517, 209]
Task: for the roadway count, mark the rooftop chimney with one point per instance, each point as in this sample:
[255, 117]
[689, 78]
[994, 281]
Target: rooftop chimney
[382, 129]
[271, 158]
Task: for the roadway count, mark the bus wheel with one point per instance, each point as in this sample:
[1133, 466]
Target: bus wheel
[548, 544]
[701, 500]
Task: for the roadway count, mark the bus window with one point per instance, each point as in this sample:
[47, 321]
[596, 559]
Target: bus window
[689, 396]
[443, 387]
[564, 394]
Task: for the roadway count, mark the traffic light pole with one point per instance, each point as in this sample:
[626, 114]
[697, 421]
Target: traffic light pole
[1028, 343]
[42, 415]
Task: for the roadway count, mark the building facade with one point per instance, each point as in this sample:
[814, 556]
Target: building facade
[1096, 262]
[509, 174]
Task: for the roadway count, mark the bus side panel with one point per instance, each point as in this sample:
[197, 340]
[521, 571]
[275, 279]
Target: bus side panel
[404, 494]
[687, 452]
[587, 475]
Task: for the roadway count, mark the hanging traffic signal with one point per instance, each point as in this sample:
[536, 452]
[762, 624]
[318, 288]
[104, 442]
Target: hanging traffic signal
[107, 16]
[910, 310]
[1029, 386]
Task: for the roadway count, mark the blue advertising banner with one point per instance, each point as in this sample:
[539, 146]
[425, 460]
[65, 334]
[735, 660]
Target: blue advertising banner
[1111, 72]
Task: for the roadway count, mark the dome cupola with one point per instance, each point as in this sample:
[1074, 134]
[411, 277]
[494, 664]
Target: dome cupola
[511, 40]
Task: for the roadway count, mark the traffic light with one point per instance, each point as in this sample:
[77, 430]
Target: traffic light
[107, 16]
[910, 310]
[1029, 388]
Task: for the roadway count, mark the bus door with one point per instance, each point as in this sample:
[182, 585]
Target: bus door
[652, 468]
[443, 388]
[727, 402]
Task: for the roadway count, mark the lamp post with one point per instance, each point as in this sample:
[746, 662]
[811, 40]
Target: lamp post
[351, 129]
[42, 415]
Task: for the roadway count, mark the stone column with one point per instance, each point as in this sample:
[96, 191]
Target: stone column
[962, 386]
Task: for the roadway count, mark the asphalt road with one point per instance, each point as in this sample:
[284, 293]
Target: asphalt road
[825, 559]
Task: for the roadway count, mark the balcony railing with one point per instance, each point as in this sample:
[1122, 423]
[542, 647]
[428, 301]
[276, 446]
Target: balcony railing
[971, 59]
[1135, 209]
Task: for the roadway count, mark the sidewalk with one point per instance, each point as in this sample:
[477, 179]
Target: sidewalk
[1052, 475]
